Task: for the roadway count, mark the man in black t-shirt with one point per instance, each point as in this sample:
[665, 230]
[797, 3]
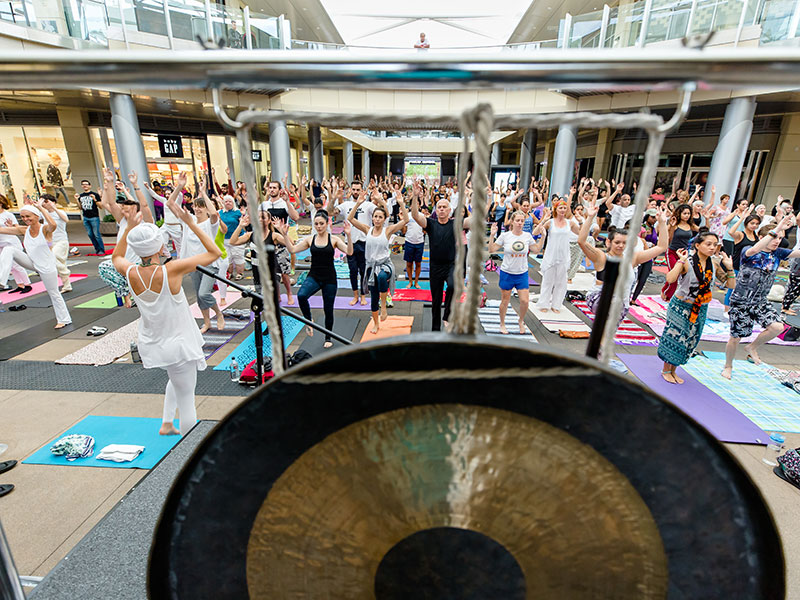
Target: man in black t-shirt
[89, 200]
[442, 243]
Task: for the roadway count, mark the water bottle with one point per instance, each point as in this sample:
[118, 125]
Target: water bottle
[774, 448]
[234, 369]
[135, 353]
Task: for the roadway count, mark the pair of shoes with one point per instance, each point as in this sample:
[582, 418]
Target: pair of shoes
[21, 290]
[389, 303]
[97, 331]
[6, 466]
[17, 307]
[238, 276]
[65, 289]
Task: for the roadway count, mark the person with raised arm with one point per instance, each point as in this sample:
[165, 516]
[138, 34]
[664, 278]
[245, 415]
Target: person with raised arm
[556, 260]
[60, 245]
[379, 272]
[168, 337]
[616, 248]
[7, 219]
[357, 262]
[749, 304]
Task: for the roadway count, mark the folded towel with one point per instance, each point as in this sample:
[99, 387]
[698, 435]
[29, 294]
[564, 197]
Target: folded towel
[120, 452]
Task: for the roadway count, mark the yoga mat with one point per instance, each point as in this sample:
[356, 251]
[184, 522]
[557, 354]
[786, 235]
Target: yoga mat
[105, 301]
[246, 351]
[18, 343]
[532, 281]
[214, 339]
[582, 282]
[106, 349]
[112, 430]
[231, 297]
[489, 317]
[80, 288]
[628, 333]
[752, 391]
[422, 295]
[344, 326]
[37, 288]
[391, 327]
[315, 301]
[564, 315]
[404, 285]
[704, 405]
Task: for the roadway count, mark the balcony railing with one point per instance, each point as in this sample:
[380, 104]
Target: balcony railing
[178, 24]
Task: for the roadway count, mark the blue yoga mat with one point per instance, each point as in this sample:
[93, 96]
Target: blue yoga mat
[403, 285]
[245, 352]
[140, 431]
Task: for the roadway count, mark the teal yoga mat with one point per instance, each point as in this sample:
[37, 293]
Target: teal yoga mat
[403, 285]
[245, 352]
[140, 431]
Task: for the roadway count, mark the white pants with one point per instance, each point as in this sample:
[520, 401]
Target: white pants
[173, 233]
[61, 251]
[50, 279]
[180, 395]
[222, 270]
[20, 274]
[554, 286]
[235, 254]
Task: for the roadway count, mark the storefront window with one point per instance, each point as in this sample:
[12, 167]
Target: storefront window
[33, 161]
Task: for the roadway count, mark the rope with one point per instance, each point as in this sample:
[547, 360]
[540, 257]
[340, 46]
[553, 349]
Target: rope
[478, 121]
[623, 287]
[587, 120]
[270, 312]
[440, 375]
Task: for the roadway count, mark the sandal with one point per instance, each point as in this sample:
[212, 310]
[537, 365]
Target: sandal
[7, 465]
[5, 489]
[17, 307]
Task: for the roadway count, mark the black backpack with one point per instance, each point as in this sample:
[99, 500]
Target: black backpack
[298, 357]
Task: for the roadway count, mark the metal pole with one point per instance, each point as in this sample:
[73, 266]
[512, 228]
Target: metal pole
[124, 25]
[794, 22]
[10, 587]
[648, 7]
[246, 27]
[741, 22]
[128, 139]
[604, 25]
[168, 20]
[229, 156]
[690, 22]
[610, 275]
[565, 33]
[209, 24]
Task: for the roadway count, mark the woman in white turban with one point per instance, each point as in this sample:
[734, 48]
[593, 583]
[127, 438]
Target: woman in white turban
[168, 335]
[38, 256]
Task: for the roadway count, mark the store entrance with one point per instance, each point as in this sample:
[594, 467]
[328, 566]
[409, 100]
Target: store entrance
[164, 170]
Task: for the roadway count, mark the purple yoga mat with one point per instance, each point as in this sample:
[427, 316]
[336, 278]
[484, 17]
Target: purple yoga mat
[315, 301]
[532, 281]
[721, 419]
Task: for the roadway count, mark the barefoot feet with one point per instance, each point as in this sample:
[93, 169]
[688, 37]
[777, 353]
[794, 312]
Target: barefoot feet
[354, 301]
[726, 372]
[374, 328]
[168, 429]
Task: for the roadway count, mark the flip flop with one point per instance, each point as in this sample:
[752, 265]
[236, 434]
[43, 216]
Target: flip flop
[17, 307]
[5, 489]
[7, 465]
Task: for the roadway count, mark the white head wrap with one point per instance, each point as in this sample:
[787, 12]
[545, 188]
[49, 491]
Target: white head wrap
[33, 210]
[145, 239]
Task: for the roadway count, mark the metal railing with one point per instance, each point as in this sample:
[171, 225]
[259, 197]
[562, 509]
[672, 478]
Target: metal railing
[178, 23]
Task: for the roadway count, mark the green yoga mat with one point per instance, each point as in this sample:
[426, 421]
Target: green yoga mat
[105, 301]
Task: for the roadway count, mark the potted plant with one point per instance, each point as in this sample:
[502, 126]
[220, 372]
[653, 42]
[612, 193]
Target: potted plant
[108, 225]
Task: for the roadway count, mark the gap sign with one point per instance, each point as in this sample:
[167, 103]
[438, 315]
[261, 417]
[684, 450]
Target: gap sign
[170, 146]
[256, 155]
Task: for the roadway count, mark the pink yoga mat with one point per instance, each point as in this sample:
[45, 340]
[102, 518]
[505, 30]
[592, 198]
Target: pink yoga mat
[38, 288]
[315, 301]
[721, 419]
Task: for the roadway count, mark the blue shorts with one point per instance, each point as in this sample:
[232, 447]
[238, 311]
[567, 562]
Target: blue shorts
[413, 252]
[509, 281]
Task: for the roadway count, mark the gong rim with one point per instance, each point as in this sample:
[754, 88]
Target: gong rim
[764, 548]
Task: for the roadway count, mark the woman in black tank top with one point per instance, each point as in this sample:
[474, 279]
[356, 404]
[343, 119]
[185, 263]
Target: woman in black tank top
[322, 275]
[681, 231]
[742, 238]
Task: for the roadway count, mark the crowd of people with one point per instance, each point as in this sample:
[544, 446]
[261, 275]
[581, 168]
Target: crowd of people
[704, 244]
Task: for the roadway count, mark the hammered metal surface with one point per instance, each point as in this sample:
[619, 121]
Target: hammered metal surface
[573, 522]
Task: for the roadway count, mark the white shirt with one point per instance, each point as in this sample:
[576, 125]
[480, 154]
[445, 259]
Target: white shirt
[191, 244]
[7, 219]
[515, 251]
[363, 215]
[60, 217]
[414, 233]
[621, 215]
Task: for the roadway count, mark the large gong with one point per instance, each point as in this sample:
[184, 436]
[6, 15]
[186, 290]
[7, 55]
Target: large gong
[447, 467]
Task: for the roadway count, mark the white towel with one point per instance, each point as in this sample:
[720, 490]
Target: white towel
[120, 452]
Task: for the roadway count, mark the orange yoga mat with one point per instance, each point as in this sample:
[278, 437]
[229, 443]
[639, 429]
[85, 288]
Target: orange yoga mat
[391, 327]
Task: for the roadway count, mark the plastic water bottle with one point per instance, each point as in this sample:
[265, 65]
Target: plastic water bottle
[774, 448]
[234, 369]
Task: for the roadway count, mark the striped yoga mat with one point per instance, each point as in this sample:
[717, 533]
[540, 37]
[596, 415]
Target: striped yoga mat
[489, 317]
[628, 332]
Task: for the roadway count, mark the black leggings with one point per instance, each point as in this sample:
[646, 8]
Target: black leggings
[358, 265]
[644, 272]
[309, 288]
[792, 291]
[439, 275]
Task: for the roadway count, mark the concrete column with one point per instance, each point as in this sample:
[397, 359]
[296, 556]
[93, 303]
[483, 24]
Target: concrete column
[280, 160]
[602, 157]
[20, 171]
[497, 155]
[364, 164]
[728, 158]
[527, 155]
[783, 171]
[128, 140]
[78, 143]
[316, 166]
[563, 165]
[347, 156]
